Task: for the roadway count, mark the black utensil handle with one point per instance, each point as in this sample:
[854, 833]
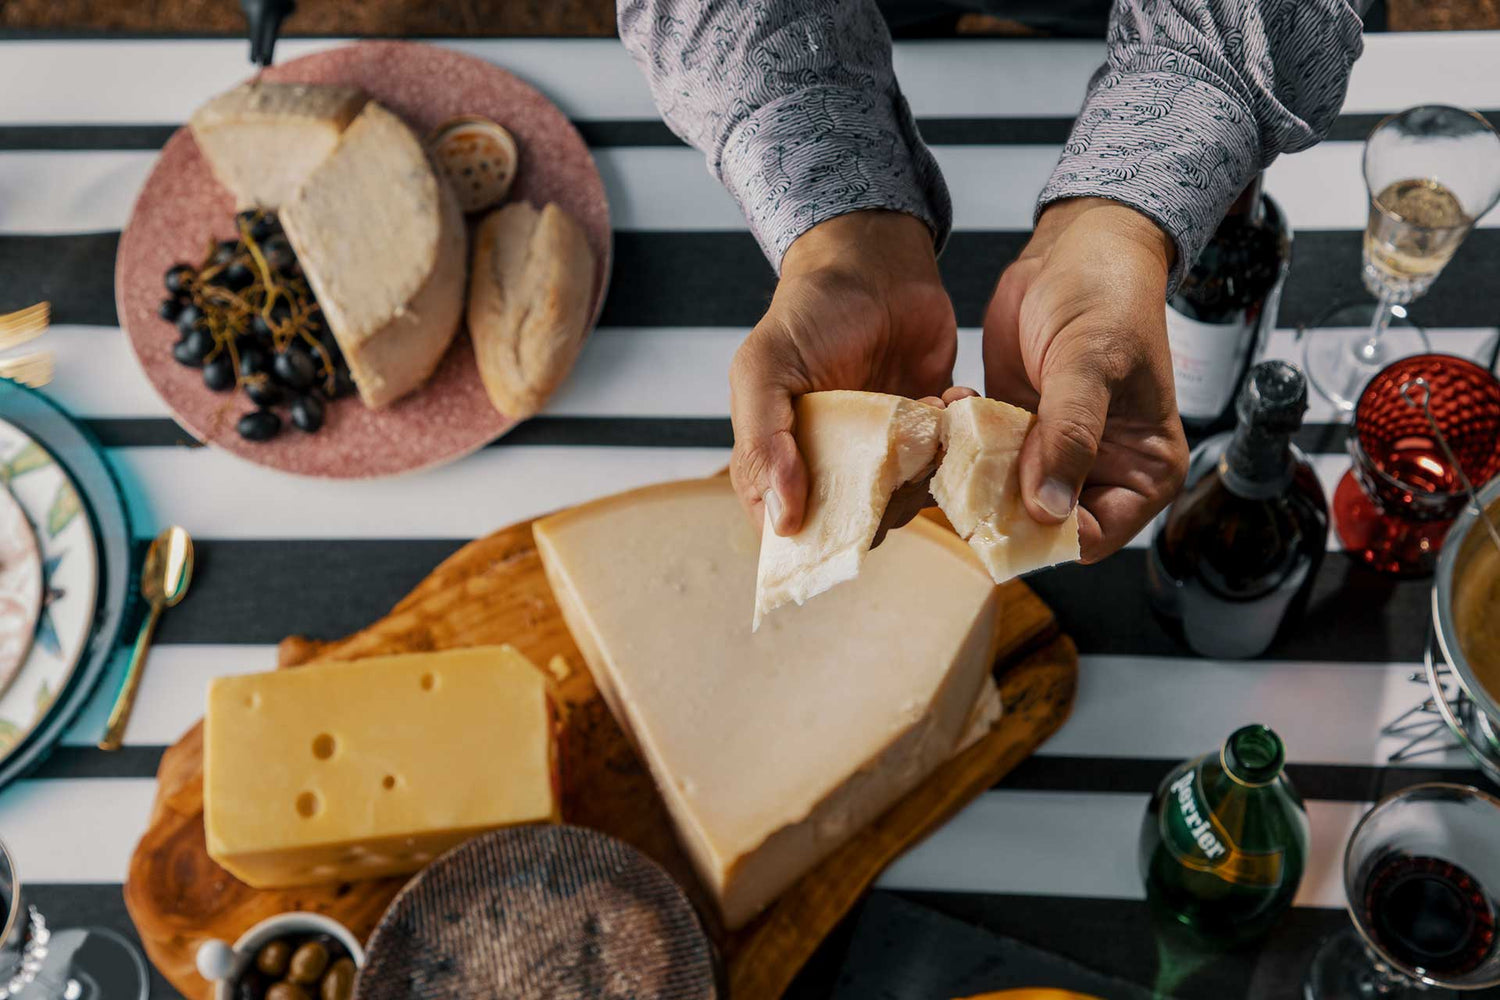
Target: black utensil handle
[264, 19]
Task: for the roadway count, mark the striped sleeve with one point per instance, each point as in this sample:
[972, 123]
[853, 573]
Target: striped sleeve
[1196, 97]
[795, 104]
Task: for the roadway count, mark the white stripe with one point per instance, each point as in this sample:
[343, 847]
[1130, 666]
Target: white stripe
[623, 371]
[1327, 713]
[1043, 843]
[1081, 844]
[141, 81]
[173, 691]
[74, 831]
[467, 499]
[659, 188]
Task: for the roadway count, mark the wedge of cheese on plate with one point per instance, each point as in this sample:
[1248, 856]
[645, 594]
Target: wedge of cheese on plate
[373, 767]
[859, 448]
[263, 139]
[771, 748]
[382, 242]
[978, 486]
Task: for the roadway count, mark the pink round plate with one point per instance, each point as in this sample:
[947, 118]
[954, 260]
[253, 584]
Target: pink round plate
[181, 206]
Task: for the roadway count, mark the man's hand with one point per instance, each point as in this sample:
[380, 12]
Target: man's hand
[859, 306]
[1076, 331]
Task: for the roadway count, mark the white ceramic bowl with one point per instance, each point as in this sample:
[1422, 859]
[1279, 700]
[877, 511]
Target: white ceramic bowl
[221, 965]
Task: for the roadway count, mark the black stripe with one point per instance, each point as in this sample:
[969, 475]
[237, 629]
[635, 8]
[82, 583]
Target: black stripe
[1117, 936]
[721, 279]
[259, 590]
[609, 133]
[89, 762]
[1330, 782]
[1354, 615]
[1042, 773]
[614, 432]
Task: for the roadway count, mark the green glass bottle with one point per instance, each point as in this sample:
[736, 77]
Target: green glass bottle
[1224, 841]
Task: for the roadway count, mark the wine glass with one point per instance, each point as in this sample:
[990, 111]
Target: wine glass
[1431, 172]
[1419, 872]
[78, 963]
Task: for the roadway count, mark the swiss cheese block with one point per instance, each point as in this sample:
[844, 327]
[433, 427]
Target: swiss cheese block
[380, 237]
[263, 139]
[859, 447]
[771, 748]
[978, 486]
[357, 769]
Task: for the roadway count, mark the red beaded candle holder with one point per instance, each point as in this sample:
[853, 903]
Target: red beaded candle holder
[1394, 505]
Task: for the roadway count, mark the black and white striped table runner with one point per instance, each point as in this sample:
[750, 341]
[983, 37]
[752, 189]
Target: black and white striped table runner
[1047, 856]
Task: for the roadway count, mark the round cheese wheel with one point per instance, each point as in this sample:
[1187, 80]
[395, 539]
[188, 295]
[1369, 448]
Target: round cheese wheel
[555, 912]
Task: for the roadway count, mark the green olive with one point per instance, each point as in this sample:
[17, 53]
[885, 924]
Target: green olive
[308, 963]
[272, 958]
[286, 991]
[338, 982]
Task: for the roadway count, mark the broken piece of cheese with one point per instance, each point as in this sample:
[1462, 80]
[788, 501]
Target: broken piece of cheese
[350, 770]
[262, 139]
[978, 486]
[382, 242]
[859, 447]
[771, 748]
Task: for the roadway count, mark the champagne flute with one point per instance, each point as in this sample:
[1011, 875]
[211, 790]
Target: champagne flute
[1431, 172]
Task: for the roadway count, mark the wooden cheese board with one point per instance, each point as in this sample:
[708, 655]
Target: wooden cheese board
[494, 590]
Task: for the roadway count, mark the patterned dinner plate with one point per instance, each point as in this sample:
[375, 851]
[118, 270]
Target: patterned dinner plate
[20, 586]
[64, 539]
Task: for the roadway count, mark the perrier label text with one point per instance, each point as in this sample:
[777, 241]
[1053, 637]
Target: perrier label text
[1198, 839]
[1202, 832]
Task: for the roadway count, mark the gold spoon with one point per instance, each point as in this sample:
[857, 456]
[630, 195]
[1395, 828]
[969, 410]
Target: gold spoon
[164, 581]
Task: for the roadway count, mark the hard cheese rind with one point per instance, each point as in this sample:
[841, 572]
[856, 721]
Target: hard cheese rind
[263, 139]
[859, 447]
[382, 242]
[978, 487]
[358, 769]
[771, 748]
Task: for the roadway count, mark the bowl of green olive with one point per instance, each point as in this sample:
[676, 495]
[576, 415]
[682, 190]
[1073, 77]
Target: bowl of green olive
[291, 956]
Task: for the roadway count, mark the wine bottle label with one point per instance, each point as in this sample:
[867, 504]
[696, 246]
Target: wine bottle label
[1206, 361]
[1198, 840]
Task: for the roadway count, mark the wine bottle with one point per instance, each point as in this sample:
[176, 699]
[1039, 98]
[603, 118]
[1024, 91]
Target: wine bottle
[1235, 555]
[1224, 841]
[1226, 306]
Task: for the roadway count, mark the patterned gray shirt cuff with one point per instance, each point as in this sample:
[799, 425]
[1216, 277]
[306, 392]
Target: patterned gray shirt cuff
[1175, 149]
[825, 151]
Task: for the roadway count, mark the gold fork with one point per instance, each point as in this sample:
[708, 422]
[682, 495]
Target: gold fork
[24, 325]
[34, 370]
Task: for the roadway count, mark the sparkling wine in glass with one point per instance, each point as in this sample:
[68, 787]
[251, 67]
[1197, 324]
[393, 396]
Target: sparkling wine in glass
[1431, 173]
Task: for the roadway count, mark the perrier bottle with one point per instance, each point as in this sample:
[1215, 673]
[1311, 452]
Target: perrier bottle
[1224, 840]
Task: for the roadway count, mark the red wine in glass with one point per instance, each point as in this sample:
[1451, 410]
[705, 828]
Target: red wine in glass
[1430, 915]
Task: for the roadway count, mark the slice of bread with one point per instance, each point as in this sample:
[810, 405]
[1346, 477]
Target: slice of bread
[859, 447]
[978, 486]
[530, 292]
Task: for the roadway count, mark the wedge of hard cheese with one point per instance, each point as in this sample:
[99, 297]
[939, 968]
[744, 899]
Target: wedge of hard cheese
[373, 767]
[978, 486]
[263, 139]
[771, 748]
[382, 242]
[859, 447]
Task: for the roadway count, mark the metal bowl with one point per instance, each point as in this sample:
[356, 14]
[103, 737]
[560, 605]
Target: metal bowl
[1465, 539]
